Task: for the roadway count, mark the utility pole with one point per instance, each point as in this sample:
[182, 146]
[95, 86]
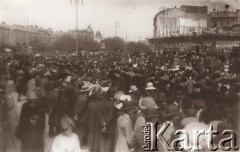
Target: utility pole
[76, 25]
[126, 50]
[117, 25]
[127, 36]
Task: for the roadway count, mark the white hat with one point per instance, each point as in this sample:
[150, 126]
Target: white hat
[150, 86]
[135, 65]
[86, 87]
[118, 95]
[68, 79]
[133, 88]
[47, 74]
[118, 105]
[125, 98]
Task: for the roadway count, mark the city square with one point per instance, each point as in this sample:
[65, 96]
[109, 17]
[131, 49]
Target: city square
[119, 76]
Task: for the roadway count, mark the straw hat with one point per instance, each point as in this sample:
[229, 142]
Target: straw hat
[133, 88]
[47, 74]
[86, 87]
[150, 86]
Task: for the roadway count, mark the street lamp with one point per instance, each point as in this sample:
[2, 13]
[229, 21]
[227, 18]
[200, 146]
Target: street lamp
[76, 2]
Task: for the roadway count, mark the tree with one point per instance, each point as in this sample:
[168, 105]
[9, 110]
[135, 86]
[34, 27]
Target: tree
[135, 47]
[68, 43]
[64, 43]
[88, 45]
[37, 45]
[115, 44]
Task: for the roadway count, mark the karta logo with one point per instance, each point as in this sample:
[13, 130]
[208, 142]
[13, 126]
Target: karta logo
[196, 140]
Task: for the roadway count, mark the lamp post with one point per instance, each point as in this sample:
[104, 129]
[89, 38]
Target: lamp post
[77, 1]
[126, 49]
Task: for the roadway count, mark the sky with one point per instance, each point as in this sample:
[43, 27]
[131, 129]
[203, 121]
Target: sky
[135, 17]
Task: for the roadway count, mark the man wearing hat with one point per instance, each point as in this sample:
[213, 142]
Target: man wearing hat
[3, 119]
[151, 115]
[134, 93]
[171, 115]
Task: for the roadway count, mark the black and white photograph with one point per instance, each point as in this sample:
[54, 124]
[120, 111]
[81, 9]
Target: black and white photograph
[119, 75]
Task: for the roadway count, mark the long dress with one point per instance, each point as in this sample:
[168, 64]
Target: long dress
[125, 133]
[31, 94]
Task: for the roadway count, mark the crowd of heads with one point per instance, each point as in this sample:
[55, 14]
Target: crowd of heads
[180, 87]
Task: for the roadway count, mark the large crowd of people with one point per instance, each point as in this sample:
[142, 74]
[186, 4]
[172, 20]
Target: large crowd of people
[101, 100]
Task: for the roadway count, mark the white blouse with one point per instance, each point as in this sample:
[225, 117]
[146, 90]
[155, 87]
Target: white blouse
[63, 143]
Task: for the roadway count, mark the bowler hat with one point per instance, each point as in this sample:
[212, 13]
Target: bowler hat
[128, 105]
[151, 112]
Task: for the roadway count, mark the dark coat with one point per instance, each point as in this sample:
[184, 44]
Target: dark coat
[3, 123]
[99, 112]
[31, 134]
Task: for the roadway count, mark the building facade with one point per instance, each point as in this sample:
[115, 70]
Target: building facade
[225, 22]
[18, 35]
[186, 20]
[85, 34]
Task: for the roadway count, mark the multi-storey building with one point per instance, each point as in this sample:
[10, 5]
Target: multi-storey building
[82, 34]
[190, 26]
[224, 21]
[15, 35]
[185, 20]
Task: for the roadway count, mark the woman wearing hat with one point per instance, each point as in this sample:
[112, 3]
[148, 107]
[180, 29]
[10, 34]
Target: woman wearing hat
[172, 116]
[100, 137]
[31, 87]
[125, 140]
[66, 141]
[151, 115]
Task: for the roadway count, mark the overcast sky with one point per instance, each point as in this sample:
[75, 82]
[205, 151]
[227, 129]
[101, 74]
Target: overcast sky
[135, 16]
